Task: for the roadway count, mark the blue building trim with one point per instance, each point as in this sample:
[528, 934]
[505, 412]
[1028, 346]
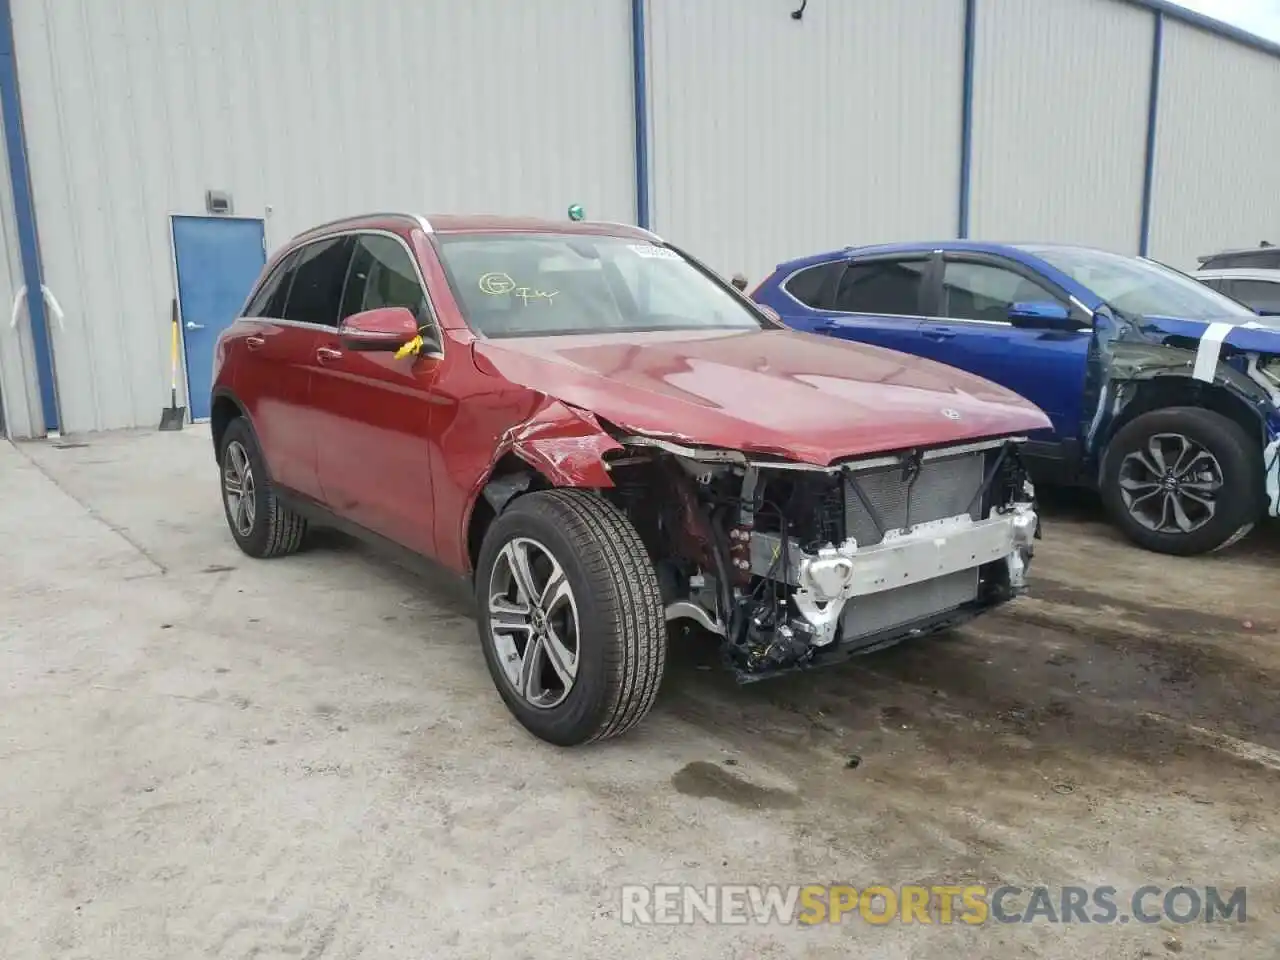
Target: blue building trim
[640, 103]
[25, 214]
[966, 114]
[1176, 12]
[1153, 115]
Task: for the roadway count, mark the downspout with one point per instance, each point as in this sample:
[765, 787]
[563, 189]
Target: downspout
[1153, 114]
[640, 104]
[25, 216]
[966, 113]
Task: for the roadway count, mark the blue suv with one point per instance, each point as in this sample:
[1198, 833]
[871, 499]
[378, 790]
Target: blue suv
[1162, 393]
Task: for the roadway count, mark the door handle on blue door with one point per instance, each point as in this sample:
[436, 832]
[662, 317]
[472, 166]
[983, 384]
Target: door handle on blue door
[192, 325]
[938, 333]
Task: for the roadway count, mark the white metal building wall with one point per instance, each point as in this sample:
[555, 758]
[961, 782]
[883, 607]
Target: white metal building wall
[134, 107]
[1059, 121]
[1217, 170]
[771, 138]
[19, 388]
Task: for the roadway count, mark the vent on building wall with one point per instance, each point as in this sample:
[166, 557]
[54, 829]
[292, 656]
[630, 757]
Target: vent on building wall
[217, 202]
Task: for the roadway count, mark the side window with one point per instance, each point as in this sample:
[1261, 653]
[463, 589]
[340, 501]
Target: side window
[808, 286]
[318, 272]
[882, 286]
[383, 275]
[1258, 294]
[980, 291]
[269, 299]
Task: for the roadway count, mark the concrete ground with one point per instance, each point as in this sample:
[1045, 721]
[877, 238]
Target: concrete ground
[207, 756]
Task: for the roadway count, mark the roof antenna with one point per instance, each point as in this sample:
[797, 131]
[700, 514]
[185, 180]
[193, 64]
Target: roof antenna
[797, 14]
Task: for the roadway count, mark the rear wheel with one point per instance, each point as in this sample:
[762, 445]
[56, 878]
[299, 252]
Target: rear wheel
[1183, 481]
[261, 525]
[570, 617]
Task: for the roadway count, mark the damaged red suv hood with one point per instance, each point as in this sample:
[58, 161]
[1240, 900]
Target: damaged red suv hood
[778, 392]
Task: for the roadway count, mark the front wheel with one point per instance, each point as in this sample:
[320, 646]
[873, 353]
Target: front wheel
[1183, 480]
[570, 617]
[261, 525]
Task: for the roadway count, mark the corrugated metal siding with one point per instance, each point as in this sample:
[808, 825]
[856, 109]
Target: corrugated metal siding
[1217, 174]
[18, 384]
[134, 107]
[773, 138]
[1059, 121]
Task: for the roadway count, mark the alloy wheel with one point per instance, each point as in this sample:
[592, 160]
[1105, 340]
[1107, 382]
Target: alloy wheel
[1172, 486]
[238, 488]
[533, 618]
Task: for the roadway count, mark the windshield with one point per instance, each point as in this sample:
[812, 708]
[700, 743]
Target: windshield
[1140, 288]
[533, 285]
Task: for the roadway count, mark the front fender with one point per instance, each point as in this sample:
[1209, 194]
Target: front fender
[564, 444]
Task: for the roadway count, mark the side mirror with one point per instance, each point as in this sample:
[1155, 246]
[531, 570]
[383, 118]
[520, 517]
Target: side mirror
[1042, 316]
[385, 328]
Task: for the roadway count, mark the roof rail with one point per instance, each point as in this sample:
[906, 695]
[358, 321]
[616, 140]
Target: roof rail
[398, 214]
[1263, 245]
[630, 226]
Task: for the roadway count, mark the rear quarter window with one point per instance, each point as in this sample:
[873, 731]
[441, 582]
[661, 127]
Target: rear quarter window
[810, 284]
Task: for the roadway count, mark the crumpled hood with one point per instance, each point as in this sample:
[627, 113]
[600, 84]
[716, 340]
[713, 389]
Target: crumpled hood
[1254, 334]
[800, 396]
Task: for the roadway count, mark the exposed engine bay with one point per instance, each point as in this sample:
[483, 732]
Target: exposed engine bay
[795, 565]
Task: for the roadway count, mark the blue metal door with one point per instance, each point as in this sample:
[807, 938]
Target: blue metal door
[217, 260]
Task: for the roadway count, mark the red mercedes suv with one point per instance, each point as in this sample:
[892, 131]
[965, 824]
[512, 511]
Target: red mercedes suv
[605, 437]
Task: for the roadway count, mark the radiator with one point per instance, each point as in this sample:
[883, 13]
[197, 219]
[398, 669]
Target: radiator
[945, 487]
[864, 616]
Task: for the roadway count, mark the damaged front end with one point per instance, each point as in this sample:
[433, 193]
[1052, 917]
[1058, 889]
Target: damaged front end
[795, 565]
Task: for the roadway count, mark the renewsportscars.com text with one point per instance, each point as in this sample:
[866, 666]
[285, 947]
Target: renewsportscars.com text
[938, 904]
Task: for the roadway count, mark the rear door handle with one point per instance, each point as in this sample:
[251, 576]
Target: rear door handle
[253, 343]
[938, 333]
[328, 353]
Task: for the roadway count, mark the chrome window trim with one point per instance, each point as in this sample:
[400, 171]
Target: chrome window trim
[782, 285]
[356, 232]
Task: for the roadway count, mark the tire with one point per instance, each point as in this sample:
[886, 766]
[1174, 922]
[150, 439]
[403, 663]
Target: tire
[272, 529]
[1228, 458]
[591, 678]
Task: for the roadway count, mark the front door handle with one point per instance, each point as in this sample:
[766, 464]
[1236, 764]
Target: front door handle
[937, 333]
[328, 353]
[254, 343]
[192, 325]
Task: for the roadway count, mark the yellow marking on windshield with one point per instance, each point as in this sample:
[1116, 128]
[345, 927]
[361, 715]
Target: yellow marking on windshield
[496, 284]
[499, 284]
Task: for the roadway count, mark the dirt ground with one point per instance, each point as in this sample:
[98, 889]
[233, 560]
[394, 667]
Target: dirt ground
[208, 756]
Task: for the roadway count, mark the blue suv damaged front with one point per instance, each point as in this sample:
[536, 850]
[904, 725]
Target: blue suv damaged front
[1163, 393]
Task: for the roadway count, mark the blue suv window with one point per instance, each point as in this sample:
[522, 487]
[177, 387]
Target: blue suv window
[891, 287]
[981, 291]
[809, 286]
